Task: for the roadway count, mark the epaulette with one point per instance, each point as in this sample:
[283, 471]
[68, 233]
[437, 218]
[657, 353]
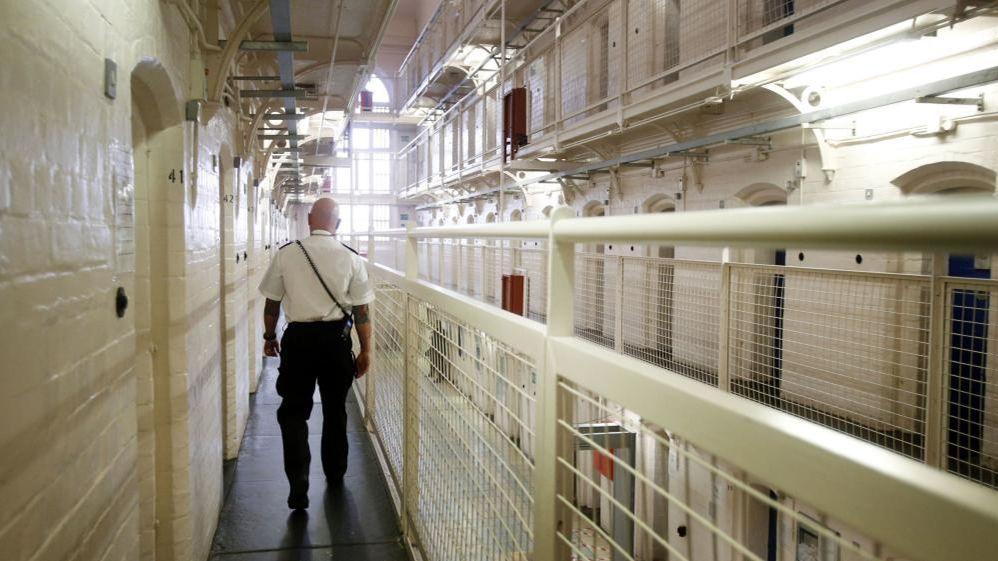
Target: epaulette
[284, 246]
[350, 248]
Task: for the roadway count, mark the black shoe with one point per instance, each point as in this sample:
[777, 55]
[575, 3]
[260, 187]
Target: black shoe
[298, 501]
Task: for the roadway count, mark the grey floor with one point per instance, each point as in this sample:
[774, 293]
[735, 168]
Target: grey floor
[355, 521]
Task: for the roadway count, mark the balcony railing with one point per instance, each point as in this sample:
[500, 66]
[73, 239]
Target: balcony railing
[606, 63]
[665, 393]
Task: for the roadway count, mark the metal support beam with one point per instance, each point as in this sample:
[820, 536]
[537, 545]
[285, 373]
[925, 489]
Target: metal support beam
[281, 136]
[281, 116]
[978, 101]
[265, 78]
[275, 46]
[931, 89]
[276, 94]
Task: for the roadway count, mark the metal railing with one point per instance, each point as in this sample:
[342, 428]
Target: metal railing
[607, 62]
[527, 440]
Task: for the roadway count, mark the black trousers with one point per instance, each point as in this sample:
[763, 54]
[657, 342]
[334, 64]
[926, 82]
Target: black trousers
[314, 352]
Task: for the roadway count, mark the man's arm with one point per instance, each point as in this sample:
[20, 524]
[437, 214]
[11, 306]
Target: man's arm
[362, 319]
[271, 312]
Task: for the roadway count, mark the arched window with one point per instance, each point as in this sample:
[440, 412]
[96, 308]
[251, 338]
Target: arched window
[381, 102]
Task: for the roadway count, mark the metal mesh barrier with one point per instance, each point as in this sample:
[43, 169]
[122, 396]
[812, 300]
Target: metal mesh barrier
[630, 490]
[971, 365]
[670, 312]
[388, 372]
[595, 297]
[847, 350]
[771, 20]
[475, 422]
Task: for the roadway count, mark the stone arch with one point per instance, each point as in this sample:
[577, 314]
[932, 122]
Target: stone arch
[471, 219]
[154, 94]
[658, 203]
[515, 215]
[762, 194]
[546, 211]
[594, 208]
[490, 218]
[948, 177]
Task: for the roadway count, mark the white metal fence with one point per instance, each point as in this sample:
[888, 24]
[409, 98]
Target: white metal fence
[846, 349]
[606, 62]
[527, 440]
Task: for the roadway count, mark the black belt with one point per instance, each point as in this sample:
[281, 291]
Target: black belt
[318, 325]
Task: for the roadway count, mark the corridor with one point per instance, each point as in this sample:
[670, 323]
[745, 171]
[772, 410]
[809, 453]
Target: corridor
[355, 521]
[635, 280]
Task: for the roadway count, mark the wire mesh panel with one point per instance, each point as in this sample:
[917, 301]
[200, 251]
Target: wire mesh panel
[847, 350]
[449, 263]
[595, 293]
[423, 254]
[388, 372]
[766, 21]
[631, 490]
[533, 262]
[476, 435]
[670, 314]
[971, 367]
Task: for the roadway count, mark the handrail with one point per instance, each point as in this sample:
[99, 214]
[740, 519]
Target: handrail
[955, 223]
[525, 229]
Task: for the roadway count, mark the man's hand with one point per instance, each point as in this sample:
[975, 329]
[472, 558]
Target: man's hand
[363, 363]
[271, 348]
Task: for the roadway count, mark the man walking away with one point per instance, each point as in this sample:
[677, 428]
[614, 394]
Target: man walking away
[324, 289]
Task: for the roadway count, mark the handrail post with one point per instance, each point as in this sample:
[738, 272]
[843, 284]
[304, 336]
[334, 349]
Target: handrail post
[936, 385]
[618, 306]
[411, 253]
[410, 387]
[548, 517]
[369, 381]
[724, 324]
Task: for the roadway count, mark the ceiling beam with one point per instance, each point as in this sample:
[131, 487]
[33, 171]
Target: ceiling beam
[275, 46]
[271, 94]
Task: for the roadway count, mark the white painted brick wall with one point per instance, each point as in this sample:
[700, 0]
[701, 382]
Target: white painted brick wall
[71, 405]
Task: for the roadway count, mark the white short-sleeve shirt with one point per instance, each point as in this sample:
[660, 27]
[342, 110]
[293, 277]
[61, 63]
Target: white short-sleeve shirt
[290, 279]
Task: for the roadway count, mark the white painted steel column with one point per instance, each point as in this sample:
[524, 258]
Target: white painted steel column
[936, 383]
[618, 305]
[369, 379]
[410, 405]
[724, 325]
[560, 322]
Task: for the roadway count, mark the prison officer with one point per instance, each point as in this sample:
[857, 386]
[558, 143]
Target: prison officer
[321, 283]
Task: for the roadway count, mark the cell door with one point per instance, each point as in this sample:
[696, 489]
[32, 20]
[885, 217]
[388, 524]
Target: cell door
[967, 374]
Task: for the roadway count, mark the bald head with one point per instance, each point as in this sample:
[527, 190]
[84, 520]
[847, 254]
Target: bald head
[325, 215]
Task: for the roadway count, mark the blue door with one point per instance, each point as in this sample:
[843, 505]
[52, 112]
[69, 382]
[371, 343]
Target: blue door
[967, 380]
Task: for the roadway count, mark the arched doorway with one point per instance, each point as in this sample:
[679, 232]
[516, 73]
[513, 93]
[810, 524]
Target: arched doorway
[233, 334]
[971, 440]
[157, 148]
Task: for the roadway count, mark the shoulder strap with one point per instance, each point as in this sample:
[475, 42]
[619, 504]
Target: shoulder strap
[319, 276]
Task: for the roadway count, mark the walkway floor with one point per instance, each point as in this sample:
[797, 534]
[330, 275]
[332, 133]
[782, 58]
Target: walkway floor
[355, 521]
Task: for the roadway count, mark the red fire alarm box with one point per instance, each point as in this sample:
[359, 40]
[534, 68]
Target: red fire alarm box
[514, 291]
[514, 122]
